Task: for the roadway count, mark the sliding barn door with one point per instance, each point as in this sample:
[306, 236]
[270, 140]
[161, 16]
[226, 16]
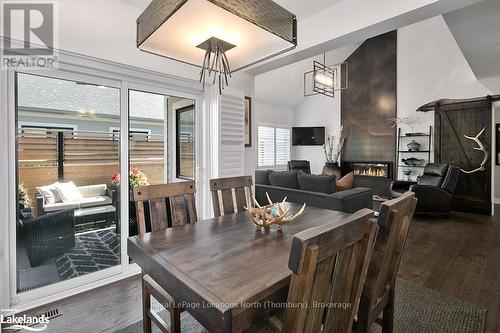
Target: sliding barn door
[454, 121]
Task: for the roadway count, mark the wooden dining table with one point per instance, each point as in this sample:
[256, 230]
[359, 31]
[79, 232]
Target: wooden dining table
[221, 270]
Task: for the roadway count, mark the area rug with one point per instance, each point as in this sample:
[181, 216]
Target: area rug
[93, 251]
[417, 310]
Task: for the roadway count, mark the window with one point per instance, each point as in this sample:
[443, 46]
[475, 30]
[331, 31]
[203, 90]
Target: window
[185, 149]
[273, 146]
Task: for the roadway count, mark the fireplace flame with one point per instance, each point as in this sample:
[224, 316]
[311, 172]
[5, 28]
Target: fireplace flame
[371, 171]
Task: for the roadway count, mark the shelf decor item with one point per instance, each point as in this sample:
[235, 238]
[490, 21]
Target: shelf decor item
[272, 214]
[407, 173]
[220, 36]
[413, 161]
[413, 146]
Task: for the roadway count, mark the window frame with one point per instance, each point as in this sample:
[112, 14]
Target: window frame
[274, 126]
[178, 141]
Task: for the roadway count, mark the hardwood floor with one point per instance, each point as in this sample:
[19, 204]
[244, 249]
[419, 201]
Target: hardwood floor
[458, 256]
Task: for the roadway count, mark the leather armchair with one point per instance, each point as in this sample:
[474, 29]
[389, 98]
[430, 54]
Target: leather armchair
[434, 189]
[299, 165]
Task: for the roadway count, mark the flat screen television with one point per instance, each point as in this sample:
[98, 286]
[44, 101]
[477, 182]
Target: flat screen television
[308, 136]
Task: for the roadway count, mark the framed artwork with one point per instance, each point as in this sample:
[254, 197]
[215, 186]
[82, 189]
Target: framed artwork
[248, 121]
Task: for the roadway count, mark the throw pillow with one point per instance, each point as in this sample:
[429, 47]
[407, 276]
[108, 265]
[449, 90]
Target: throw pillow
[68, 192]
[345, 182]
[317, 183]
[286, 179]
[49, 194]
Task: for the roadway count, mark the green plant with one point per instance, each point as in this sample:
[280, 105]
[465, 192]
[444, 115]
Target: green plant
[23, 196]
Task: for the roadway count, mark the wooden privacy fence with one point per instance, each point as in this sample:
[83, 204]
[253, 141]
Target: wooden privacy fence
[84, 157]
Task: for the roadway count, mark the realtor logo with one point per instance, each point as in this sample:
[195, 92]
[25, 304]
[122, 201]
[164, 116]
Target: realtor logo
[28, 32]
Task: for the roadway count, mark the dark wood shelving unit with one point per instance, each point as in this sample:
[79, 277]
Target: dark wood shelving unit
[402, 143]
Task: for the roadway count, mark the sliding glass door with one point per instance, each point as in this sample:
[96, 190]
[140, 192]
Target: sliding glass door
[161, 143]
[67, 202]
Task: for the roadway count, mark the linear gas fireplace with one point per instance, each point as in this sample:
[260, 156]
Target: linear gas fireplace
[376, 175]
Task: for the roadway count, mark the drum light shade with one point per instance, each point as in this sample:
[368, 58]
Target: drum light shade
[258, 30]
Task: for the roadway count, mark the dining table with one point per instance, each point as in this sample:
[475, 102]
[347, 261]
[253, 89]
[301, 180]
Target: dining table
[222, 270]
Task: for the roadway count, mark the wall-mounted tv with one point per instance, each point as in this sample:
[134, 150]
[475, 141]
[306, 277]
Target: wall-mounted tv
[308, 136]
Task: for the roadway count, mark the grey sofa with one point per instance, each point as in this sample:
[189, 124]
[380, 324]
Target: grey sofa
[314, 190]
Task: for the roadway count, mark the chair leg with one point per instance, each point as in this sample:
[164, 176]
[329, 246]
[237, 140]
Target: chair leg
[146, 307]
[175, 319]
[388, 314]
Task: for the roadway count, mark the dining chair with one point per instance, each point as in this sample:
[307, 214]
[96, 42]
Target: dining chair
[379, 289]
[329, 265]
[236, 193]
[169, 205]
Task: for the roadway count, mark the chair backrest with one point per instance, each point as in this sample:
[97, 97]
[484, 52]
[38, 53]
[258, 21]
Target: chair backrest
[169, 205]
[329, 265]
[299, 165]
[231, 203]
[433, 175]
[394, 222]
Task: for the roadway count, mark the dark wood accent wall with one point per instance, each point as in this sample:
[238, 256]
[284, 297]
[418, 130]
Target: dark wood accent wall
[370, 100]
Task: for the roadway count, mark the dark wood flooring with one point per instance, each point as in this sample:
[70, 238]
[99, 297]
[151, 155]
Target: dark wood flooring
[459, 256]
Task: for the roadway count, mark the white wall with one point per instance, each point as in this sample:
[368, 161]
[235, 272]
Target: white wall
[317, 110]
[431, 66]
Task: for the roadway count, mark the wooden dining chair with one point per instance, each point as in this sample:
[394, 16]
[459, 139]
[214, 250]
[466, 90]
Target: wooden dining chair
[169, 205]
[236, 193]
[379, 289]
[329, 265]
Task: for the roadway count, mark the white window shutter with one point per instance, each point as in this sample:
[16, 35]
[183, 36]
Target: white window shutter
[265, 149]
[232, 141]
[282, 146]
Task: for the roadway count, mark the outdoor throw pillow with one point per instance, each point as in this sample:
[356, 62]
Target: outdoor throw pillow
[68, 192]
[49, 194]
[345, 182]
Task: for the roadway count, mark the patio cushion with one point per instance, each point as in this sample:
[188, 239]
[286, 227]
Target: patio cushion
[92, 190]
[49, 193]
[60, 206]
[95, 201]
[68, 192]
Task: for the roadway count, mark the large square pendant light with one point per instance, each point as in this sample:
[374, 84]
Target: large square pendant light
[221, 36]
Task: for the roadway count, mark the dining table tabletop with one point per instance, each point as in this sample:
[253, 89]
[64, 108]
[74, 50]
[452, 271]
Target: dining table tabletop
[222, 270]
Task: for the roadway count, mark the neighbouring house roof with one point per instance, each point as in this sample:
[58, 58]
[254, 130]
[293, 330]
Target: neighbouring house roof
[55, 94]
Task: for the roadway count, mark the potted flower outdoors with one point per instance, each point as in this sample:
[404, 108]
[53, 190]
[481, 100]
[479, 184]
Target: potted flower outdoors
[332, 149]
[136, 178]
[23, 197]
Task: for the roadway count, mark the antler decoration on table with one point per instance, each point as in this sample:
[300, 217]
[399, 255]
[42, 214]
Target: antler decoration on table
[273, 213]
[480, 148]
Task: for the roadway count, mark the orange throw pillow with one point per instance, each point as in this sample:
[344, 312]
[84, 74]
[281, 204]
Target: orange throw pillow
[345, 182]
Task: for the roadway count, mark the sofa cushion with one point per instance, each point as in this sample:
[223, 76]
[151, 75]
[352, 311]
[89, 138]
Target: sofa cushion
[286, 179]
[99, 200]
[345, 183]
[68, 192]
[317, 183]
[92, 190]
[61, 206]
[262, 177]
[49, 194]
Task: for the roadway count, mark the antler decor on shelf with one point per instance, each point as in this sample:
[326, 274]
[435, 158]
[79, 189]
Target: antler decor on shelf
[273, 213]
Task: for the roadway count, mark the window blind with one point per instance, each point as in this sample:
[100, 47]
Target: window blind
[282, 146]
[265, 149]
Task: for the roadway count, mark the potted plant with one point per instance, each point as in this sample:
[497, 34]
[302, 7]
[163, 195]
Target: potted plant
[23, 197]
[333, 148]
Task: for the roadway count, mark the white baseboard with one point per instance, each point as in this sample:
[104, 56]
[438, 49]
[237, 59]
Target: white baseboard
[496, 201]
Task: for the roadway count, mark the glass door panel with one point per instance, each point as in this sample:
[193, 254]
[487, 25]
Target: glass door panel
[67, 152]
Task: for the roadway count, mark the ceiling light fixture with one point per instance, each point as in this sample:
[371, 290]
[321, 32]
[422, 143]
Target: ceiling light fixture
[214, 34]
[325, 80]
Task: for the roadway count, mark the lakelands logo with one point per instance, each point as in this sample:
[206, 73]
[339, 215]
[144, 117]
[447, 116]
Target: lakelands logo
[9, 321]
[29, 35]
